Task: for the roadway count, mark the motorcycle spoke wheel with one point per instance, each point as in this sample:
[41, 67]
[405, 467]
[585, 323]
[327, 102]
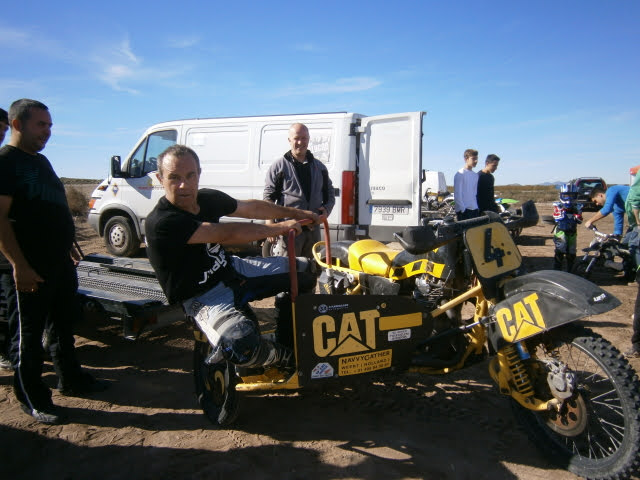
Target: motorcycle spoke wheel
[585, 267]
[215, 387]
[596, 434]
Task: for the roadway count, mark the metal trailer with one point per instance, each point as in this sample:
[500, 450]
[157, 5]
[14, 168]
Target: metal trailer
[126, 288]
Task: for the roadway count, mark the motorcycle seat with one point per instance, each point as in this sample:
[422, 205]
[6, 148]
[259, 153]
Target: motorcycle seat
[372, 257]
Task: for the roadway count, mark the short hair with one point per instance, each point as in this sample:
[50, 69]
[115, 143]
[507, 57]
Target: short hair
[470, 152]
[177, 151]
[492, 158]
[21, 109]
[4, 117]
[596, 191]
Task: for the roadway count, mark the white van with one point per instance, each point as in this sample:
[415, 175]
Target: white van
[375, 164]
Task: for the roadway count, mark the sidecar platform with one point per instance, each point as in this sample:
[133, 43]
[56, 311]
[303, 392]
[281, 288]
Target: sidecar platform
[126, 288]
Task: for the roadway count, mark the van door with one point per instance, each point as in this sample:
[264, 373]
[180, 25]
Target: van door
[390, 172]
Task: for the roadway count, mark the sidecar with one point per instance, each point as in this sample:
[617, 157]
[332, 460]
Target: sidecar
[336, 338]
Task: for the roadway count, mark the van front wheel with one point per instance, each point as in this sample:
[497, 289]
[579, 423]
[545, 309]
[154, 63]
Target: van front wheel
[120, 237]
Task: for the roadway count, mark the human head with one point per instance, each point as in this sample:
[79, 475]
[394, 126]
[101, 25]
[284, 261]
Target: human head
[598, 196]
[568, 192]
[4, 124]
[178, 151]
[179, 173]
[491, 163]
[30, 125]
[299, 141]
[470, 158]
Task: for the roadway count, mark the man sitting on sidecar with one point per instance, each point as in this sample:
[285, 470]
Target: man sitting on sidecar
[184, 240]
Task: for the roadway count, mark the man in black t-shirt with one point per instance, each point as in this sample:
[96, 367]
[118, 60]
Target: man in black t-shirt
[36, 236]
[486, 196]
[184, 244]
[5, 363]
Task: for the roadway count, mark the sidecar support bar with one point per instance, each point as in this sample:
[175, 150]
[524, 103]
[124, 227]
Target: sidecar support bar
[473, 292]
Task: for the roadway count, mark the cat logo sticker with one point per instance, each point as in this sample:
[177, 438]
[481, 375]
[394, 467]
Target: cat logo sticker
[522, 320]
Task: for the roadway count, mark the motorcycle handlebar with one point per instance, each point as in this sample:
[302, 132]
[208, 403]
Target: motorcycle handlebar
[419, 240]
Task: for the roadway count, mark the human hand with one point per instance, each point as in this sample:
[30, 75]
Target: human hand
[76, 254]
[288, 225]
[26, 278]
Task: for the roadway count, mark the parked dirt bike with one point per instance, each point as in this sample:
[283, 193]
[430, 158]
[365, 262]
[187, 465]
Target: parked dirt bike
[438, 206]
[390, 310]
[506, 210]
[605, 252]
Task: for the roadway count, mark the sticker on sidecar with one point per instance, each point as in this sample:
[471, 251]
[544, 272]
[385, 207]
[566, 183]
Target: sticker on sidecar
[363, 363]
[396, 335]
[322, 370]
[521, 320]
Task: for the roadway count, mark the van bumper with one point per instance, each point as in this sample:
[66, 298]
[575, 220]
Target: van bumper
[94, 221]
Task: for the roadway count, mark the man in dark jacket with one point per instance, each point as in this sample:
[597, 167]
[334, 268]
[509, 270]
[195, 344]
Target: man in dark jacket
[300, 180]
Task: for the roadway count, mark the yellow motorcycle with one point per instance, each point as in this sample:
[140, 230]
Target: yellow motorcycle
[454, 295]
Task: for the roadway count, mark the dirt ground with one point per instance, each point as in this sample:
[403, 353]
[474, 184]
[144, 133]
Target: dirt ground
[147, 425]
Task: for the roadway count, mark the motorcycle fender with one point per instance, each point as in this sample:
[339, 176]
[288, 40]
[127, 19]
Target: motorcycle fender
[539, 301]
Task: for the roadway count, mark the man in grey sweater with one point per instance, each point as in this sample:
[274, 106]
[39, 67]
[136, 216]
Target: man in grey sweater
[299, 180]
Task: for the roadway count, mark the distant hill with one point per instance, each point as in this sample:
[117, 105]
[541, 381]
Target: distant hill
[78, 181]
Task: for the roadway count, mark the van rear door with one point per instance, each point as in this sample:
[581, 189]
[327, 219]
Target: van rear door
[390, 172]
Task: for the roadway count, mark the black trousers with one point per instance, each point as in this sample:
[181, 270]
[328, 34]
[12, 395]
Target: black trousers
[55, 306]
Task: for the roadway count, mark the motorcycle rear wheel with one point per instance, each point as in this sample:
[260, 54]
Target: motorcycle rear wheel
[598, 434]
[215, 386]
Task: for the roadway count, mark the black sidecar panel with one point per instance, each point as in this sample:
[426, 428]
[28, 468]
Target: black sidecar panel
[339, 336]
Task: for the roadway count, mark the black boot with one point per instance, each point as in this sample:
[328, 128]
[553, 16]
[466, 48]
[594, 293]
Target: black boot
[557, 260]
[279, 356]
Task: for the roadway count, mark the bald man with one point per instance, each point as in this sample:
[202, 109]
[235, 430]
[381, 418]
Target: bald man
[300, 180]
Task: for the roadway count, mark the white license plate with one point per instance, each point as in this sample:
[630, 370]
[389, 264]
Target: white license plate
[389, 209]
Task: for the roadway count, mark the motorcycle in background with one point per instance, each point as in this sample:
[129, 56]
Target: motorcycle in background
[605, 252]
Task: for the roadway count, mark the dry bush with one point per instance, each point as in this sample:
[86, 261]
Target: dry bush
[537, 193]
[78, 201]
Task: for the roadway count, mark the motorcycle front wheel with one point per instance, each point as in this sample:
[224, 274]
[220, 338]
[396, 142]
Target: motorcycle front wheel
[584, 266]
[215, 386]
[596, 434]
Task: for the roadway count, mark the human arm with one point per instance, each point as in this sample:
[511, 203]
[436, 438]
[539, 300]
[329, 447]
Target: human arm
[596, 216]
[239, 233]
[457, 193]
[262, 210]
[330, 202]
[25, 276]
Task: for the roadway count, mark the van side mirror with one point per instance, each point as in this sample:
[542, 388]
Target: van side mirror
[116, 170]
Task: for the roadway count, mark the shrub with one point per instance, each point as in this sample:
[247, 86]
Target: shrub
[78, 201]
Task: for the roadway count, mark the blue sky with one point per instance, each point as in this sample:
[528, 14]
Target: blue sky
[553, 88]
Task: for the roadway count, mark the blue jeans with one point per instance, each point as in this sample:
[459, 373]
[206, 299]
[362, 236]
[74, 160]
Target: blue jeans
[222, 314]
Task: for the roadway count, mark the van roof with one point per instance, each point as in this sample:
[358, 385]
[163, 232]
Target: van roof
[257, 117]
